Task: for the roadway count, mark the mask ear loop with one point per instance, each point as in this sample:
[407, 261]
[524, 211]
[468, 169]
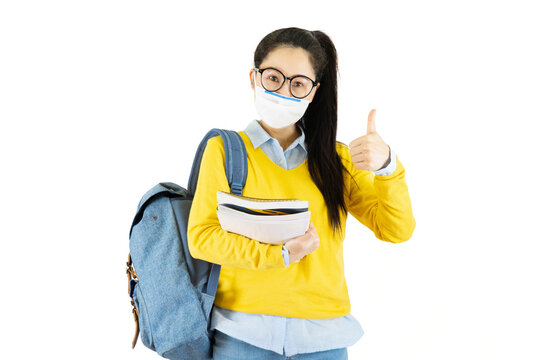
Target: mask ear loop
[255, 84]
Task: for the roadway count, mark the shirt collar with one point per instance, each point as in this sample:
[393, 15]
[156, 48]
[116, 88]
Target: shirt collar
[259, 136]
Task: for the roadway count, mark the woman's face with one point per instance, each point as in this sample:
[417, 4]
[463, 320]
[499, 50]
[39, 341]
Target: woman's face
[290, 61]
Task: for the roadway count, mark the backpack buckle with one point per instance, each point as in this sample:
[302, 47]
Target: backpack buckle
[236, 188]
[131, 273]
[130, 270]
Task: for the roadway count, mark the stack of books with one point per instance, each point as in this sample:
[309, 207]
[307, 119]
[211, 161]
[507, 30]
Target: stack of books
[272, 221]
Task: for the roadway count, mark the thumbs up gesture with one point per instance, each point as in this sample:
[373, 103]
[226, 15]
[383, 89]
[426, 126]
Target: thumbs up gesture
[369, 152]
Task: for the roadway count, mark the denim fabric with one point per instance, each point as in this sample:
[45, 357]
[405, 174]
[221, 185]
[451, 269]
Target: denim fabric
[229, 348]
[172, 292]
[155, 251]
[275, 337]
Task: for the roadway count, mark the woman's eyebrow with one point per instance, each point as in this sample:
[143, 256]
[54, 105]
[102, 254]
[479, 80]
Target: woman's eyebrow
[275, 67]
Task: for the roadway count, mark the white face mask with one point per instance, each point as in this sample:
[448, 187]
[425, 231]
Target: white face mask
[277, 110]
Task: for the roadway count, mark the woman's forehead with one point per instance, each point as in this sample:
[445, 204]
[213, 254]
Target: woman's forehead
[290, 61]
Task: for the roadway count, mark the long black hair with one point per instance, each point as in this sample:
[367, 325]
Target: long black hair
[319, 122]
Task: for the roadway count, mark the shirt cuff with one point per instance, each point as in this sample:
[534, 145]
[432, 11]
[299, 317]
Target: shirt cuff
[285, 253]
[390, 168]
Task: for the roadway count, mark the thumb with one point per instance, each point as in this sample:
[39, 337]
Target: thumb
[371, 122]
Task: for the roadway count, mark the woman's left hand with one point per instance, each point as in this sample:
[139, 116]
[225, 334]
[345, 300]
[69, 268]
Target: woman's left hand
[370, 152]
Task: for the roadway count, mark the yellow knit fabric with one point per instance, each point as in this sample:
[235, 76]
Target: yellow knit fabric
[253, 276]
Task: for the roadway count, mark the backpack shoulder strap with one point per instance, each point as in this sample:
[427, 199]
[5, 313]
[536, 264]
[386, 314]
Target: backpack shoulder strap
[236, 170]
[235, 160]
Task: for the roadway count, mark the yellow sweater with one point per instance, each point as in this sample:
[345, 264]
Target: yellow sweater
[253, 276]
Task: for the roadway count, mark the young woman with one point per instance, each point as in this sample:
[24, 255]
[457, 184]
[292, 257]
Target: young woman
[291, 301]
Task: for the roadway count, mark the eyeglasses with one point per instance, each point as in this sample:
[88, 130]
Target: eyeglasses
[273, 79]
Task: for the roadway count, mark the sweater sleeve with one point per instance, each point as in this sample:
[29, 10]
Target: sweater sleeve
[381, 203]
[206, 239]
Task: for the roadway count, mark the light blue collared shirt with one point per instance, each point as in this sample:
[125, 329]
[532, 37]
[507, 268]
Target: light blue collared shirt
[288, 335]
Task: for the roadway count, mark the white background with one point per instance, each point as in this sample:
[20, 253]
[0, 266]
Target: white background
[101, 100]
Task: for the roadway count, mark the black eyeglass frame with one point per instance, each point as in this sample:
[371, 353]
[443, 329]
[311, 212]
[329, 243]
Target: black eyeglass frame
[313, 83]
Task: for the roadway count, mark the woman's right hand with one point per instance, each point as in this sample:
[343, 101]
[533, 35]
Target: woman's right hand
[302, 245]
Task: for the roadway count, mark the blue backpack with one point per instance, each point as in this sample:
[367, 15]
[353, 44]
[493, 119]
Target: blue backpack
[172, 293]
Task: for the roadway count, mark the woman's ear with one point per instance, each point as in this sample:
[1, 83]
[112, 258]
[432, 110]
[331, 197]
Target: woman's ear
[314, 91]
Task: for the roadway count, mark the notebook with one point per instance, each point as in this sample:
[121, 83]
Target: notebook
[272, 221]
